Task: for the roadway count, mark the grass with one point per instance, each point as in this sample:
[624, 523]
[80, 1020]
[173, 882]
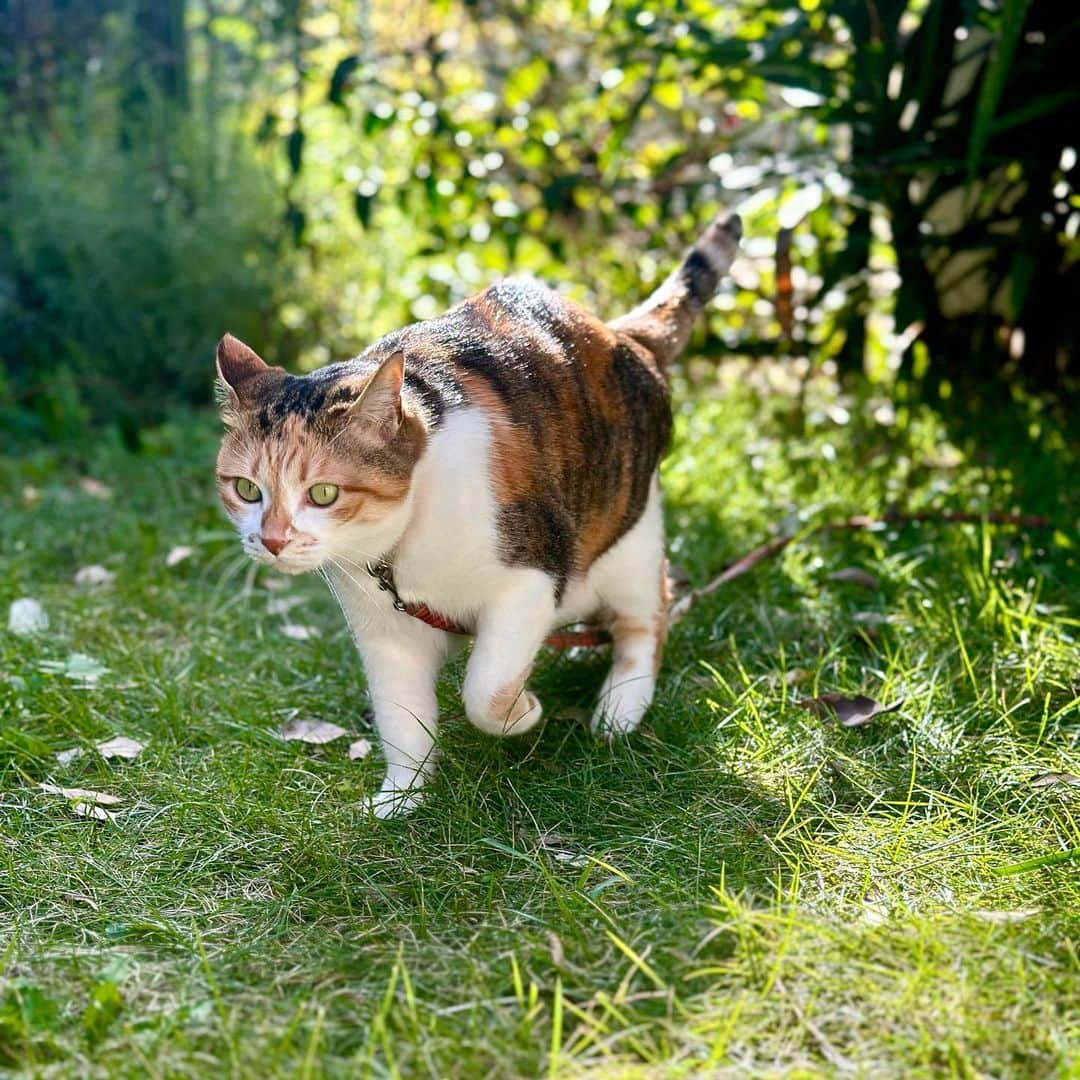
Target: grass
[743, 888]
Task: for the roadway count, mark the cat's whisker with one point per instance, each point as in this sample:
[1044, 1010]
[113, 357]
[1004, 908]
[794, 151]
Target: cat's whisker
[359, 584]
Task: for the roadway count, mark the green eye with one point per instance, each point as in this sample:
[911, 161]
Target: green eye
[323, 494]
[247, 489]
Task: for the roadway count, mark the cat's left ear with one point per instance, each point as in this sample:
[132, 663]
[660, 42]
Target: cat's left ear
[378, 410]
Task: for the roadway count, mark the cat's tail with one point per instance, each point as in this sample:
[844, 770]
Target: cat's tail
[663, 322]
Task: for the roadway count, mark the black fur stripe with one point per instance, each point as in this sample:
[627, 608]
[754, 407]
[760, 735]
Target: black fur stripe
[699, 275]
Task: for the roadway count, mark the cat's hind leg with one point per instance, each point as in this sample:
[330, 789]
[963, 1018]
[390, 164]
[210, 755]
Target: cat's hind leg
[634, 587]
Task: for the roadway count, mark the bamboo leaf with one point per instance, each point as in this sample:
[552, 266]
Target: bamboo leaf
[995, 75]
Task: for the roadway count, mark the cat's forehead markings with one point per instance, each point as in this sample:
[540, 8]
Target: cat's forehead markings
[303, 397]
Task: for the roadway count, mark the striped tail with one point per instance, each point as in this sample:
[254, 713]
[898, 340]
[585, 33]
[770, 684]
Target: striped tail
[664, 322]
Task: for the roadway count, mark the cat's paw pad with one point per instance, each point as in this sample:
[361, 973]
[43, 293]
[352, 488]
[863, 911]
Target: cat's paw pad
[394, 802]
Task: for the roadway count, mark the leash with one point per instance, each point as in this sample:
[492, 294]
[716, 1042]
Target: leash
[567, 638]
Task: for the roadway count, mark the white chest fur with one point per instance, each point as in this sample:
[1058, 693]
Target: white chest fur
[448, 557]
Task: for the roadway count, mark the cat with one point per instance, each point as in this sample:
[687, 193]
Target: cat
[493, 469]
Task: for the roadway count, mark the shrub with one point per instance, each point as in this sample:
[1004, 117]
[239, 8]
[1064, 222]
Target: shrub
[119, 268]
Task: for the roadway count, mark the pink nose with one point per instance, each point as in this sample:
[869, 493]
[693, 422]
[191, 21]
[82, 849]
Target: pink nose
[274, 544]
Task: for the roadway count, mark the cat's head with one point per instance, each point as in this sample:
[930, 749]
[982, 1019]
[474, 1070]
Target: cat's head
[315, 469]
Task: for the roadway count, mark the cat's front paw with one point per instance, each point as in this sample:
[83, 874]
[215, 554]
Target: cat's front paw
[621, 708]
[394, 802]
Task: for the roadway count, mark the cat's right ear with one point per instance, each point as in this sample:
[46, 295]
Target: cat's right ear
[237, 365]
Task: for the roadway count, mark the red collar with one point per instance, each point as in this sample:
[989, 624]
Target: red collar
[568, 638]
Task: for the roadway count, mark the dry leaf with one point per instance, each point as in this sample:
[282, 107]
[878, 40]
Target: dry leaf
[121, 747]
[312, 731]
[78, 667]
[851, 712]
[27, 616]
[855, 575]
[178, 554]
[360, 748]
[1006, 917]
[92, 810]
[1051, 778]
[100, 798]
[66, 757]
[298, 632]
[95, 488]
[558, 956]
[874, 618]
[282, 605]
[92, 576]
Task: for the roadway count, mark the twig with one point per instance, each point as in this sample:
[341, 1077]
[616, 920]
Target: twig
[859, 521]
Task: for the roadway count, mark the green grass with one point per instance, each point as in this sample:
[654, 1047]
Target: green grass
[742, 888]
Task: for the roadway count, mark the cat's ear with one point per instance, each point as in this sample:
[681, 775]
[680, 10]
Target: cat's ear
[236, 366]
[378, 410]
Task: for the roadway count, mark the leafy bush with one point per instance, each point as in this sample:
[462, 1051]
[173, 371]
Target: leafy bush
[120, 266]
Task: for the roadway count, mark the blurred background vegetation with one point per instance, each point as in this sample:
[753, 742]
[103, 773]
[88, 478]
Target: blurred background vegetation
[310, 174]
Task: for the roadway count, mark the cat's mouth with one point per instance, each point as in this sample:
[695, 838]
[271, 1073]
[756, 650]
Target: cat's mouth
[287, 562]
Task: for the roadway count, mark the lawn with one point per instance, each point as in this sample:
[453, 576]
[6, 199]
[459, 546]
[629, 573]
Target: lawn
[743, 888]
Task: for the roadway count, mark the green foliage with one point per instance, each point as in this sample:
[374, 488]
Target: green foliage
[120, 268]
[312, 176]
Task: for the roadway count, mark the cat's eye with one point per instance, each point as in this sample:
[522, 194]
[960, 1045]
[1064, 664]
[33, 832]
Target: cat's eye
[323, 494]
[247, 489]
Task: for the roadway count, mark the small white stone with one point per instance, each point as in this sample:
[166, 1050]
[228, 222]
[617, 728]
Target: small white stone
[360, 748]
[27, 616]
[93, 576]
[178, 554]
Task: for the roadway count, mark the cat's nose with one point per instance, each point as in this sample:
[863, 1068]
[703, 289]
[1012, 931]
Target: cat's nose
[274, 544]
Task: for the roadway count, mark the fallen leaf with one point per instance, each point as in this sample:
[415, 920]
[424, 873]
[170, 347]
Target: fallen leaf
[282, 605]
[91, 810]
[121, 747]
[312, 731]
[1051, 778]
[66, 757]
[99, 798]
[1007, 917]
[298, 632]
[78, 667]
[851, 712]
[178, 554]
[27, 616]
[93, 576]
[558, 956]
[855, 575]
[95, 488]
[873, 618]
[360, 748]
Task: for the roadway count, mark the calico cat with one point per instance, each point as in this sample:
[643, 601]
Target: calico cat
[492, 470]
